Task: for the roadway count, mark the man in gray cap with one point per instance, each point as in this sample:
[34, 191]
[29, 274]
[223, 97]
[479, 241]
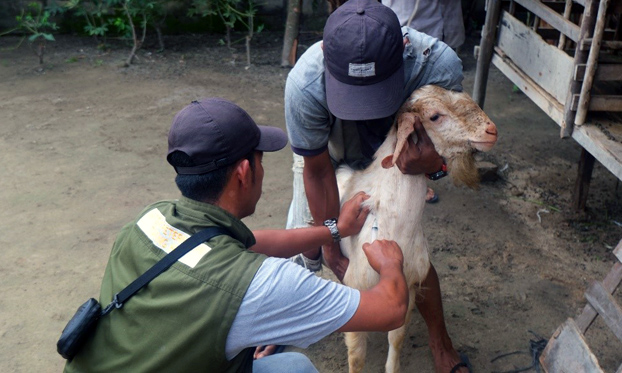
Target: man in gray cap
[210, 309]
[340, 102]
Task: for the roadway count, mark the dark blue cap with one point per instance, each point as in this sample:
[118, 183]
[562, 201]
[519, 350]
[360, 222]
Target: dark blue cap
[215, 133]
[363, 55]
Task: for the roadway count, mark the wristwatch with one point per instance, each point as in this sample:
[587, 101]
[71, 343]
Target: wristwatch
[437, 175]
[331, 224]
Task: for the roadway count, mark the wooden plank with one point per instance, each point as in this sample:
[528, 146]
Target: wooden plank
[567, 351]
[553, 108]
[592, 64]
[604, 73]
[599, 103]
[548, 66]
[611, 282]
[605, 44]
[552, 18]
[602, 138]
[606, 306]
[618, 252]
[485, 51]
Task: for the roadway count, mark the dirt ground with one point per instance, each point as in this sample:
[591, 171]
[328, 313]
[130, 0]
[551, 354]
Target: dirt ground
[83, 151]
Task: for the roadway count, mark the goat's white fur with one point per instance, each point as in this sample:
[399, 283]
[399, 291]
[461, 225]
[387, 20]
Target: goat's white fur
[396, 206]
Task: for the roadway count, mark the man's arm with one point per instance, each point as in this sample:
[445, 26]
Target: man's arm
[383, 307]
[323, 197]
[285, 243]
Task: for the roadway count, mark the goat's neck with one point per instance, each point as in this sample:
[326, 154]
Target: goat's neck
[396, 199]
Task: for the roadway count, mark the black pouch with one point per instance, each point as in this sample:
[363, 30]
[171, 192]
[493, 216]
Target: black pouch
[78, 328]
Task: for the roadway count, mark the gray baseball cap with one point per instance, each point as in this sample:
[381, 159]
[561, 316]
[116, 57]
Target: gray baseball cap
[216, 133]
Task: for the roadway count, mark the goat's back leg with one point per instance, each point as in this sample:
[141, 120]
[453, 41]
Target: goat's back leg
[357, 349]
[396, 337]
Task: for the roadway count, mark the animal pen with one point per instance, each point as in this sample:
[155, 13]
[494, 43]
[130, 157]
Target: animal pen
[565, 56]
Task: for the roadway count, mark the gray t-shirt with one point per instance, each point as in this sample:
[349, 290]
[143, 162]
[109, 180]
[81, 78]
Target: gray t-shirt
[287, 304]
[312, 128]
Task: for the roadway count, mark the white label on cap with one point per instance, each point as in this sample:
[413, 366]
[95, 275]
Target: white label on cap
[362, 70]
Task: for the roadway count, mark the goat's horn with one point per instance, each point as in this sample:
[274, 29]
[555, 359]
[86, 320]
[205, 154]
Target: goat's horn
[405, 127]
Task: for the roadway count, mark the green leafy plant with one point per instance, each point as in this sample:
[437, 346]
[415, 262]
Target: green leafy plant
[96, 14]
[34, 22]
[231, 13]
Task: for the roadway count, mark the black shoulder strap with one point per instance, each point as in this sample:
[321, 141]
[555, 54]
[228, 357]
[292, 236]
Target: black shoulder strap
[193, 241]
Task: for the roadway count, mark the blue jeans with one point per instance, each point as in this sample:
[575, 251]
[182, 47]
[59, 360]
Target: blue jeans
[285, 362]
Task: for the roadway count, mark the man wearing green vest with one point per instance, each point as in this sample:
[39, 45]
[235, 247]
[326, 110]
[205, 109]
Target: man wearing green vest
[209, 310]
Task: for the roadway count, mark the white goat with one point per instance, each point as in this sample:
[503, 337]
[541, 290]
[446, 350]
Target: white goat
[457, 127]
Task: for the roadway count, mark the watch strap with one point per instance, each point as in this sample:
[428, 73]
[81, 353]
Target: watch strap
[439, 174]
[331, 224]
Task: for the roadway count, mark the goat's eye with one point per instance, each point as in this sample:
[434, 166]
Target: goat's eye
[434, 117]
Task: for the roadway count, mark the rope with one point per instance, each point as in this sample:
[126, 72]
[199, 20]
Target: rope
[535, 350]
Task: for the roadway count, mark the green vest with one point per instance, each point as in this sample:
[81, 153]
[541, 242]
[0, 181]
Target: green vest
[180, 321]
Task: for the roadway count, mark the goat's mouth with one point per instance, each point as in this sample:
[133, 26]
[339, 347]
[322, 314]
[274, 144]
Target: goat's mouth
[483, 146]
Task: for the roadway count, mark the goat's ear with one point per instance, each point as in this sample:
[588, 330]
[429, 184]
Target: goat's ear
[405, 127]
[387, 162]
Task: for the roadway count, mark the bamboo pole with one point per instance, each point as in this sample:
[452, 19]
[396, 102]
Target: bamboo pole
[562, 37]
[580, 57]
[592, 64]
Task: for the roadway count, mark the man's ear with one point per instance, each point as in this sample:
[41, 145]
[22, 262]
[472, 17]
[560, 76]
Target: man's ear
[244, 173]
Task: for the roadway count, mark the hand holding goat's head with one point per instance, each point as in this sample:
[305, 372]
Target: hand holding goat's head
[455, 124]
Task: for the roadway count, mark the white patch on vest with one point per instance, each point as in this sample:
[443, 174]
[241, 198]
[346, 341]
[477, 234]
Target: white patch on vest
[362, 70]
[167, 237]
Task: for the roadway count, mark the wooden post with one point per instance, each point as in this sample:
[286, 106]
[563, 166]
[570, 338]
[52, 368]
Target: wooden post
[592, 63]
[485, 51]
[562, 37]
[580, 57]
[582, 185]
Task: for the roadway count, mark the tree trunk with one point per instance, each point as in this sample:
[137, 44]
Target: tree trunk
[160, 38]
[294, 8]
[40, 52]
[130, 58]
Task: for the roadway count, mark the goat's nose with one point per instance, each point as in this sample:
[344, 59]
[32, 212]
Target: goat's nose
[491, 129]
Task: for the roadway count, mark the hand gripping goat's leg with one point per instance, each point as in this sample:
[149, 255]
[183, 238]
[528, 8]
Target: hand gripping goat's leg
[357, 349]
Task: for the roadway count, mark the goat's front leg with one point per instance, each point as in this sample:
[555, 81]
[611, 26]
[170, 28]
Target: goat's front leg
[357, 349]
[396, 337]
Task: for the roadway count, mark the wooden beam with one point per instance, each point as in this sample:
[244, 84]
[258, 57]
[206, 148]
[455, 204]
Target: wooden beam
[599, 103]
[618, 252]
[606, 306]
[551, 17]
[604, 73]
[582, 184]
[596, 137]
[611, 282]
[604, 44]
